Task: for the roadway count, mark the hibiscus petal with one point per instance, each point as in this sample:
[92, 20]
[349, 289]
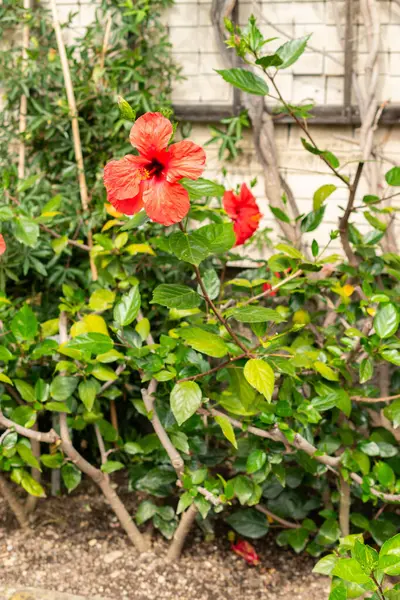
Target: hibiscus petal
[186, 160]
[166, 203]
[150, 133]
[230, 202]
[3, 246]
[122, 177]
[246, 197]
[130, 206]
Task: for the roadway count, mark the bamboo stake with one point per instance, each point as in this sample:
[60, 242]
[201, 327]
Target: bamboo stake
[23, 108]
[74, 124]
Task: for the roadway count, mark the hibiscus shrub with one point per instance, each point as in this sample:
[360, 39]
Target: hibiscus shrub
[264, 396]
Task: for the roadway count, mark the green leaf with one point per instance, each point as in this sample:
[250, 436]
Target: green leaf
[326, 564]
[63, 387]
[112, 465]
[245, 80]
[350, 570]
[260, 376]
[326, 154]
[291, 51]
[146, 510]
[24, 415]
[175, 296]
[188, 248]
[200, 188]
[271, 60]
[24, 325]
[249, 523]
[326, 371]
[385, 474]
[26, 231]
[104, 373]
[313, 220]
[25, 390]
[212, 284]
[279, 214]
[126, 110]
[391, 355]
[255, 461]
[290, 251]
[374, 221]
[5, 354]
[184, 502]
[203, 341]
[25, 452]
[52, 461]
[71, 476]
[29, 484]
[218, 237]
[227, 429]
[88, 391]
[386, 320]
[94, 343]
[185, 400]
[128, 308]
[243, 487]
[339, 592]
[322, 194]
[366, 370]
[27, 183]
[57, 407]
[393, 176]
[6, 213]
[365, 555]
[256, 314]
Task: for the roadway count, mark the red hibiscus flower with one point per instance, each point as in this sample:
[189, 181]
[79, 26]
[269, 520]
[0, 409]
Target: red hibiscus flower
[150, 180]
[3, 246]
[246, 551]
[244, 212]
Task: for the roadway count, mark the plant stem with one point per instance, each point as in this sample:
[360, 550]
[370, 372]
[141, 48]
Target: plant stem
[181, 533]
[17, 508]
[217, 313]
[344, 510]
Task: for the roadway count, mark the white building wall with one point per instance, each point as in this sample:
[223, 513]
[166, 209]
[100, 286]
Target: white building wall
[317, 76]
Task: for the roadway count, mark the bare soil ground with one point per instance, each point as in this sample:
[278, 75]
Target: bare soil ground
[78, 547]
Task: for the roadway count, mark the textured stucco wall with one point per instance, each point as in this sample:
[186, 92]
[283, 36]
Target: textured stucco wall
[317, 76]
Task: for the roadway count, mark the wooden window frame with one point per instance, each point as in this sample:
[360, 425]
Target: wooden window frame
[328, 114]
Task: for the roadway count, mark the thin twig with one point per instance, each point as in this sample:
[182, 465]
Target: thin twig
[368, 400]
[274, 517]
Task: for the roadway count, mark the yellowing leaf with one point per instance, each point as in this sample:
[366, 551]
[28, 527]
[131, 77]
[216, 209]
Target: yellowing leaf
[301, 317]
[49, 327]
[371, 311]
[112, 211]
[89, 324]
[348, 290]
[227, 429]
[139, 249]
[5, 378]
[260, 376]
[110, 224]
[326, 371]
[51, 213]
